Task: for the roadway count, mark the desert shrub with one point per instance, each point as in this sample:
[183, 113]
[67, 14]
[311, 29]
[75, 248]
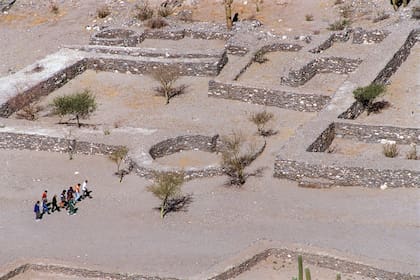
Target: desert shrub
[54, 8]
[260, 119]
[78, 105]
[143, 11]
[382, 15]
[390, 149]
[309, 17]
[167, 188]
[412, 153]
[103, 11]
[346, 11]
[156, 23]
[236, 156]
[165, 11]
[338, 2]
[185, 15]
[118, 155]
[29, 112]
[366, 95]
[339, 25]
[259, 57]
[167, 76]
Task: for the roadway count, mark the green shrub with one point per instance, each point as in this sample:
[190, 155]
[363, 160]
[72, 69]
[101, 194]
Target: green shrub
[79, 105]
[339, 25]
[366, 95]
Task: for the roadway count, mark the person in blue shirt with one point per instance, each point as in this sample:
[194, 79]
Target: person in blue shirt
[37, 211]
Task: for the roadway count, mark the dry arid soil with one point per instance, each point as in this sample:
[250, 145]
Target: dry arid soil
[119, 230]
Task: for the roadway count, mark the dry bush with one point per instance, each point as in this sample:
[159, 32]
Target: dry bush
[118, 155]
[347, 11]
[309, 17]
[259, 57]
[390, 150]
[412, 153]
[339, 25]
[185, 15]
[165, 11]
[103, 11]
[260, 119]
[156, 23]
[167, 76]
[29, 112]
[236, 156]
[338, 2]
[143, 11]
[54, 8]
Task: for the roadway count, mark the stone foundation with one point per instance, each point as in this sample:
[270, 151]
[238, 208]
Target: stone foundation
[337, 65]
[268, 97]
[185, 143]
[117, 37]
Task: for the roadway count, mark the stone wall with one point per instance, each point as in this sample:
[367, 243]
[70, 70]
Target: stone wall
[149, 52]
[187, 67]
[335, 37]
[374, 134]
[268, 97]
[79, 272]
[19, 141]
[346, 176]
[184, 143]
[386, 73]
[361, 36]
[399, 57]
[337, 65]
[324, 140]
[42, 88]
[117, 37]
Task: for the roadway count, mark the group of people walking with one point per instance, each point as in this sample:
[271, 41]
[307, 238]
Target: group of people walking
[68, 200]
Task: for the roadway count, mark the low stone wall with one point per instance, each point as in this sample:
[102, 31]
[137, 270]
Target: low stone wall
[42, 88]
[78, 272]
[268, 97]
[34, 142]
[361, 36]
[117, 37]
[399, 57]
[187, 67]
[386, 73]
[148, 52]
[343, 36]
[374, 134]
[364, 133]
[164, 34]
[346, 176]
[337, 65]
[184, 143]
[324, 140]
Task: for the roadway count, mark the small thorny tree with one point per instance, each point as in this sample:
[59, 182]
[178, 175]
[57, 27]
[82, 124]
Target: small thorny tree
[367, 95]
[260, 119]
[78, 105]
[167, 76]
[236, 156]
[118, 156]
[167, 188]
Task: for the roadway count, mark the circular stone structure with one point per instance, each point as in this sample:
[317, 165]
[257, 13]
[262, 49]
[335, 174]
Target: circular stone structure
[116, 37]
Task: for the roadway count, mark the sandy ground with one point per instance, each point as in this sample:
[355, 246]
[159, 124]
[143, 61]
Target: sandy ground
[119, 230]
[186, 159]
[365, 150]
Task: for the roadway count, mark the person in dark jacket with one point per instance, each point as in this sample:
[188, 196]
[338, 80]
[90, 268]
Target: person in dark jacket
[54, 204]
[37, 211]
